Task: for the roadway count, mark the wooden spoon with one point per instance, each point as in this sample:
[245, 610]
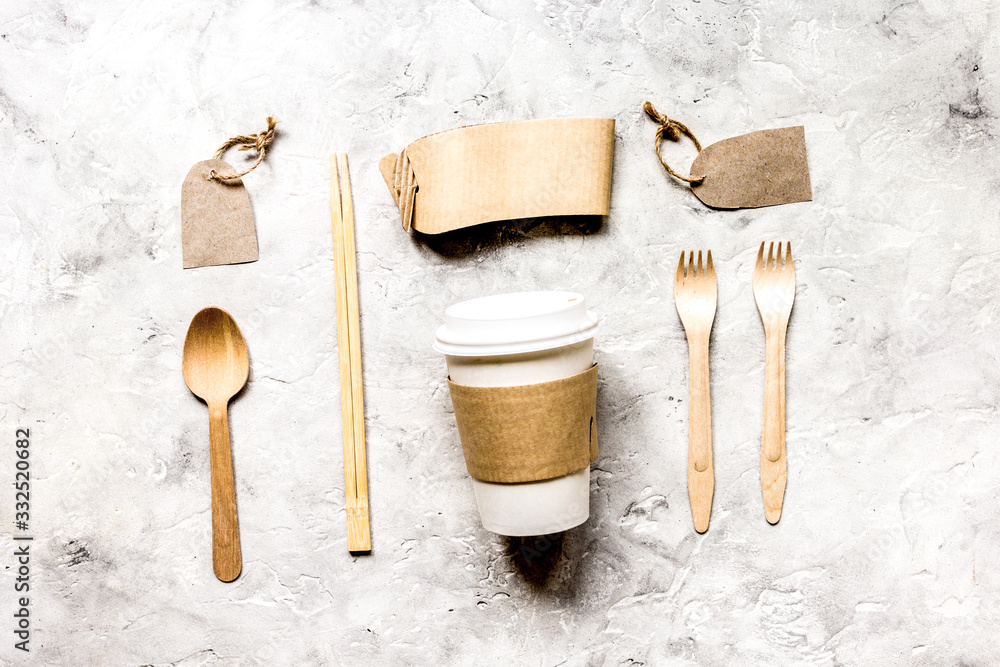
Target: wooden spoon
[216, 365]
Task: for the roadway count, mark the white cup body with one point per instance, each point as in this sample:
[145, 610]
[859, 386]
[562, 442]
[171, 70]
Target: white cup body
[531, 508]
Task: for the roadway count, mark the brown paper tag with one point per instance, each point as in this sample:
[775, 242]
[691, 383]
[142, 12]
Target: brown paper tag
[217, 224]
[762, 168]
[530, 432]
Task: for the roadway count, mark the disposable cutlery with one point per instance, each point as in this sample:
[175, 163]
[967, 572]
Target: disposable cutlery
[696, 295]
[774, 292]
[216, 365]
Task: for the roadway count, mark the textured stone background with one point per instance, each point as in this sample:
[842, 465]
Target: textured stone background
[888, 552]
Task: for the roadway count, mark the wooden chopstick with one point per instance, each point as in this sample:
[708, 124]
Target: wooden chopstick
[352, 407]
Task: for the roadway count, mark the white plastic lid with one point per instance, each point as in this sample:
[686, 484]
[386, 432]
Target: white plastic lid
[514, 324]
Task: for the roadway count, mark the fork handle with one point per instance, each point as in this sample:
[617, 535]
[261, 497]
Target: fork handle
[774, 397]
[701, 475]
[227, 560]
[773, 465]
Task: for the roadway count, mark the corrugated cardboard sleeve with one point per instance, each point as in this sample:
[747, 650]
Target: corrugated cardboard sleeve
[530, 432]
[503, 171]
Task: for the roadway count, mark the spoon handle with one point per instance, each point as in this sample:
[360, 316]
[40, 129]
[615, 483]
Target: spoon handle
[226, 558]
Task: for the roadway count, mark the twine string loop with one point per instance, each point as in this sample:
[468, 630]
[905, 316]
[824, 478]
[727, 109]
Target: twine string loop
[672, 130]
[258, 142]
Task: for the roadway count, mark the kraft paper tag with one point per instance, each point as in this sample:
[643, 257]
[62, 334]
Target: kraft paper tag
[503, 171]
[217, 225]
[762, 168]
[530, 432]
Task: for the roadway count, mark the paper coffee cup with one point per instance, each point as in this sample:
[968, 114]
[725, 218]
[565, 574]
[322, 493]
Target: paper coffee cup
[519, 339]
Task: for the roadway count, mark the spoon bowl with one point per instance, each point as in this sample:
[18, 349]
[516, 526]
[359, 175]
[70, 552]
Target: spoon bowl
[216, 365]
[216, 362]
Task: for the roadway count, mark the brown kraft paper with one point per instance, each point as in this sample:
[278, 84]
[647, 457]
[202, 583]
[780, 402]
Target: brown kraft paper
[503, 171]
[762, 168]
[530, 432]
[217, 224]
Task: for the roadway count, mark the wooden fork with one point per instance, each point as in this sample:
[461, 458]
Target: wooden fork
[774, 292]
[695, 295]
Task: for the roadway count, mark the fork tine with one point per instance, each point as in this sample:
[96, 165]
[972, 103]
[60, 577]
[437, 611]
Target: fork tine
[769, 264]
[691, 264]
[710, 269]
[777, 258]
[699, 271]
[788, 256]
[680, 269]
[760, 257]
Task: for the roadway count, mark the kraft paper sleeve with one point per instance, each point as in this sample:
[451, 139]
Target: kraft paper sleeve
[529, 432]
[503, 171]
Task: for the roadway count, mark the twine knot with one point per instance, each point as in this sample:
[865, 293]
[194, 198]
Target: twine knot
[667, 126]
[258, 142]
[671, 129]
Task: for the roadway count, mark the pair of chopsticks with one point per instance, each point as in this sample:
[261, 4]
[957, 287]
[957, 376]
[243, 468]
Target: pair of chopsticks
[352, 406]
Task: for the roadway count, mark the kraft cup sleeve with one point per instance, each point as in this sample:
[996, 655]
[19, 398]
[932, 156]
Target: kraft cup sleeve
[503, 171]
[530, 432]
